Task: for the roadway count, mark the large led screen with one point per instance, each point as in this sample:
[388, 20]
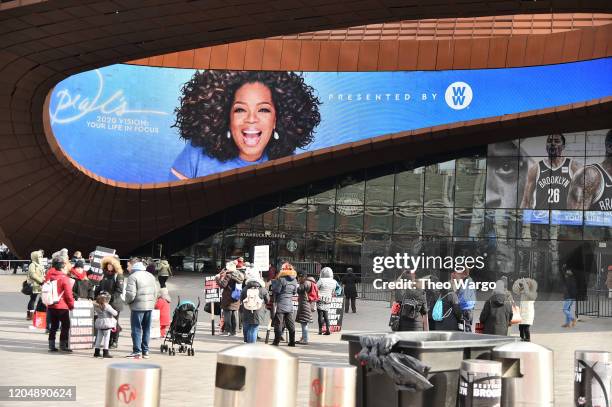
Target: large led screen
[145, 125]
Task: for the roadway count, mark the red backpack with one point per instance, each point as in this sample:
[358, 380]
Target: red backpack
[313, 294]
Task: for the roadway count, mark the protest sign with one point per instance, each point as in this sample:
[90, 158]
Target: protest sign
[95, 272]
[82, 334]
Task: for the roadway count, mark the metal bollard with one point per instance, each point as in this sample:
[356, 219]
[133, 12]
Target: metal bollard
[592, 378]
[527, 374]
[479, 383]
[255, 374]
[133, 384]
[332, 385]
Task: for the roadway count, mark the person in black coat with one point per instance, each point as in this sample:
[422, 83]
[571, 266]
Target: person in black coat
[413, 309]
[112, 283]
[497, 312]
[349, 281]
[569, 298]
[451, 312]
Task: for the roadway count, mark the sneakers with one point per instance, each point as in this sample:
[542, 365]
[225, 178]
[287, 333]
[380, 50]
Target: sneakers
[145, 355]
[301, 342]
[134, 355]
[225, 334]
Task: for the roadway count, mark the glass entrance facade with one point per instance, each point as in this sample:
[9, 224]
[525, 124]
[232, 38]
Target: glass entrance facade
[520, 203]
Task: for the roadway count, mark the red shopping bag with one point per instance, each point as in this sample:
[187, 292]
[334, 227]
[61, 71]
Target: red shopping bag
[479, 327]
[40, 320]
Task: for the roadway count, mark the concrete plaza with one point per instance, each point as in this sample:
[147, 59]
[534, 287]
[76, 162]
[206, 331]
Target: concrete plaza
[189, 381]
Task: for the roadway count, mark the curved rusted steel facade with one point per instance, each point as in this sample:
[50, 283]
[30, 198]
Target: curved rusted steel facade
[49, 201]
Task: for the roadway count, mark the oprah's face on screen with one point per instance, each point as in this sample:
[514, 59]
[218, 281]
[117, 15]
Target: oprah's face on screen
[252, 120]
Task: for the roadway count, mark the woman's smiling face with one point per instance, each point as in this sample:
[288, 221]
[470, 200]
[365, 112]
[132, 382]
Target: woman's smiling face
[252, 120]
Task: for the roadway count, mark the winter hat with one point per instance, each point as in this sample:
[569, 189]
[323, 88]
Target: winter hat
[79, 263]
[500, 287]
[327, 273]
[163, 293]
[138, 266]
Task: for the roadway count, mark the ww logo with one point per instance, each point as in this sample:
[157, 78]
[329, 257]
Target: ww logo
[458, 95]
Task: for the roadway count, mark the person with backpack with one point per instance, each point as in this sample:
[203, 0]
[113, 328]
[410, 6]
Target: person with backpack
[412, 310]
[497, 312]
[254, 296]
[113, 282]
[230, 280]
[105, 322]
[446, 314]
[308, 294]
[467, 297]
[327, 290]
[36, 277]
[284, 287]
[56, 294]
[349, 281]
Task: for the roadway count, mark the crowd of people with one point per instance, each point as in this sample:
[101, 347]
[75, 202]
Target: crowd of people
[423, 308]
[247, 297]
[54, 288]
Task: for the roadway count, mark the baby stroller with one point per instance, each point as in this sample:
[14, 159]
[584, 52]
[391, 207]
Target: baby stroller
[182, 328]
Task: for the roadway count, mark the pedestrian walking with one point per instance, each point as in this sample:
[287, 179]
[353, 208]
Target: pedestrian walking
[569, 298]
[141, 293]
[527, 290]
[349, 281]
[230, 280]
[284, 287]
[254, 297]
[113, 282]
[308, 295]
[59, 312]
[497, 312]
[164, 271]
[163, 305]
[327, 289]
[105, 322]
[467, 297]
[36, 276]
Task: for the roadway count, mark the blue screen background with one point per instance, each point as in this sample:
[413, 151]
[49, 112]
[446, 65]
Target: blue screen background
[89, 110]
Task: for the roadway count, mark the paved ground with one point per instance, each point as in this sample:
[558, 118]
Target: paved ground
[189, 381]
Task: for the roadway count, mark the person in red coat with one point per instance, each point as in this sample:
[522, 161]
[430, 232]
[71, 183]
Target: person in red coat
[60, 312]
[163, 305]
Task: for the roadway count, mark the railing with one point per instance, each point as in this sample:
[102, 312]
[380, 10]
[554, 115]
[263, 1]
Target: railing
[14, 266]
[597, 304]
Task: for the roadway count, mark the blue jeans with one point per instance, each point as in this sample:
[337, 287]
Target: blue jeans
[250, 332]
[140, 322]
[304, 331]
[567, 310]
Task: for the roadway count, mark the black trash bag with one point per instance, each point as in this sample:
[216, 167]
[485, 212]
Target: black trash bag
[208, 307]
[407, 372]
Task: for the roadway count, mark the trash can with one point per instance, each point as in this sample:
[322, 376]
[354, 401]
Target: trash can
[442, 351]
[527, 374]
[332, 385]
[256, 375]
[592, 378]
[133, 384]
[479, 383]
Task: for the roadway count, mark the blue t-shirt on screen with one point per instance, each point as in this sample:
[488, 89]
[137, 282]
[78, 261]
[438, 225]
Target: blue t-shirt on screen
[193, 162]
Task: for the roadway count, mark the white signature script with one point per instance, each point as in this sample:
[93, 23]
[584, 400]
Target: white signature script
[78, 106]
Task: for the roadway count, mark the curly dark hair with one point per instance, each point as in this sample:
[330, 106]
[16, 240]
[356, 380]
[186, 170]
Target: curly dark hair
[204, 111]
